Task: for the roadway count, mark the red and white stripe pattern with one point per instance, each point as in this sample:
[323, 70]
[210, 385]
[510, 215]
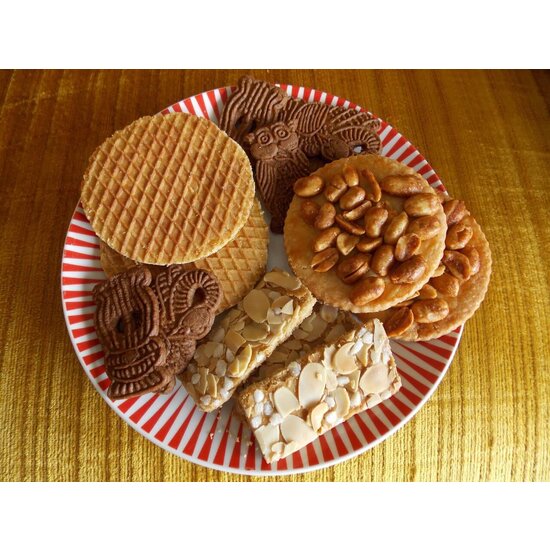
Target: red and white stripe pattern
[220, 440]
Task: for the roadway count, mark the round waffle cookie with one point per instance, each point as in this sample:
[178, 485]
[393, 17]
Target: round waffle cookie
[238, 265]
[168, 189]
[364, 233]
[455, 292]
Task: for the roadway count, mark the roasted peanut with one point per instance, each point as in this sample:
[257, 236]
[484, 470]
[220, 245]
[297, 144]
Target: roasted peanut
[326, 238]
[472, 255]
[423, 204]
[409, 271]
[353, 268]
[325, 217]
[458, 235]
[309, 210]
[350, 227]
[367, 244]
[345, 242]
[427, 292]
[458, 264]
[399, 322]
[324, 260]
[382, 260]
[357, 212]
[374, 220]
[351, 177]
[454, 210]
[352, 198]
[430, 311]
[374, 193]
[425, 227]
[396, 228]
[308, 186]
[403, 186]
[367, 290]
[446, 284]
[407, 246]
[335, 189]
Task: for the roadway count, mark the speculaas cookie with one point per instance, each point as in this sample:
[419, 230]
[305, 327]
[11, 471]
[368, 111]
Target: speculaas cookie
[279, 163]
[148, 328]
[289, 138]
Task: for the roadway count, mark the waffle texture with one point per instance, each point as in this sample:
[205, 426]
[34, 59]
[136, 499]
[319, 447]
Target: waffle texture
[168, 189]
[238, 265]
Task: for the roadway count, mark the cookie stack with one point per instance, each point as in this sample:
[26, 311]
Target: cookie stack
[376, 253]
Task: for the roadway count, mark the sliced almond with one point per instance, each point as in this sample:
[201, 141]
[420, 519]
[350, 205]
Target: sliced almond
[290, 448]
[316, 415]
[283, 279]
[285, 401]
[295, 429]
[239, 365]
[353, 383]
[255, 331]
[281, 302]
[256, 305]
[317, 328]
[212, 385]
[342, 402]
[203, 381]
[375, 379]
[332, 380]
[344, 362]
[363, 355]
[334, 333]
[234, 341]
[277, 450]
[217, 335]
[274, 318]
[267, 436]
[311, 384]
[278, 357]
[288, 309]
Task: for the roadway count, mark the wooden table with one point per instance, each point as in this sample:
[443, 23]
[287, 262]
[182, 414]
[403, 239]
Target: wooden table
[487, 134]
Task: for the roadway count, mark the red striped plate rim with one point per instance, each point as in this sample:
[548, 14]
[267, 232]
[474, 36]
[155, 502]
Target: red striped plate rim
[220, 440]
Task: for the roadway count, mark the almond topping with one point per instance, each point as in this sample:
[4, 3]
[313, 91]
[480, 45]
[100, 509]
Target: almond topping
[285, 401]
[316, 415]
[283, 279]
[342, 402]
[239, 365]
[375, 379]
[353, 383]
[311, 384]
[234, 340]
[295, 429]
[344, 362]
[256, 305]
[255, 332]
[267, 436]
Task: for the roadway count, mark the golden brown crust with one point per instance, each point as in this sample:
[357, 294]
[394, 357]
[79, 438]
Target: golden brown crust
[328, 287]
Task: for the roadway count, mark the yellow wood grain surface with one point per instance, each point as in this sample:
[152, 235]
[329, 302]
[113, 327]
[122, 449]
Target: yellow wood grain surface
[487, 134]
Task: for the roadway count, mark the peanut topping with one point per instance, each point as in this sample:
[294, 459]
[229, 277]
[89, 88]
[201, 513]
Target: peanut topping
[348, 226]
[335, 188]
[425, 227]
[353, 268]
[325, 217]
[353, 197]
[458, 264]
[367, 290]
[382, 260]
[399, 322]
[308, 186]
[326, 238]
[346, 243]
[375, 218]
[473, 255]
[446, 284]
[396, 228]
[458, 235]
[423, 204]
[374, 193]
[454, 210]
[368, 244]
[407, 246]
[325, 260]
[430, 311]
[402, 186]
[358, 212]
[427, 292]
[409, 271]
[351, 176]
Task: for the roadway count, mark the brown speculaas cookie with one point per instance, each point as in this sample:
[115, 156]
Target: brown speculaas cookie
[288, 138]
[148, 328]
